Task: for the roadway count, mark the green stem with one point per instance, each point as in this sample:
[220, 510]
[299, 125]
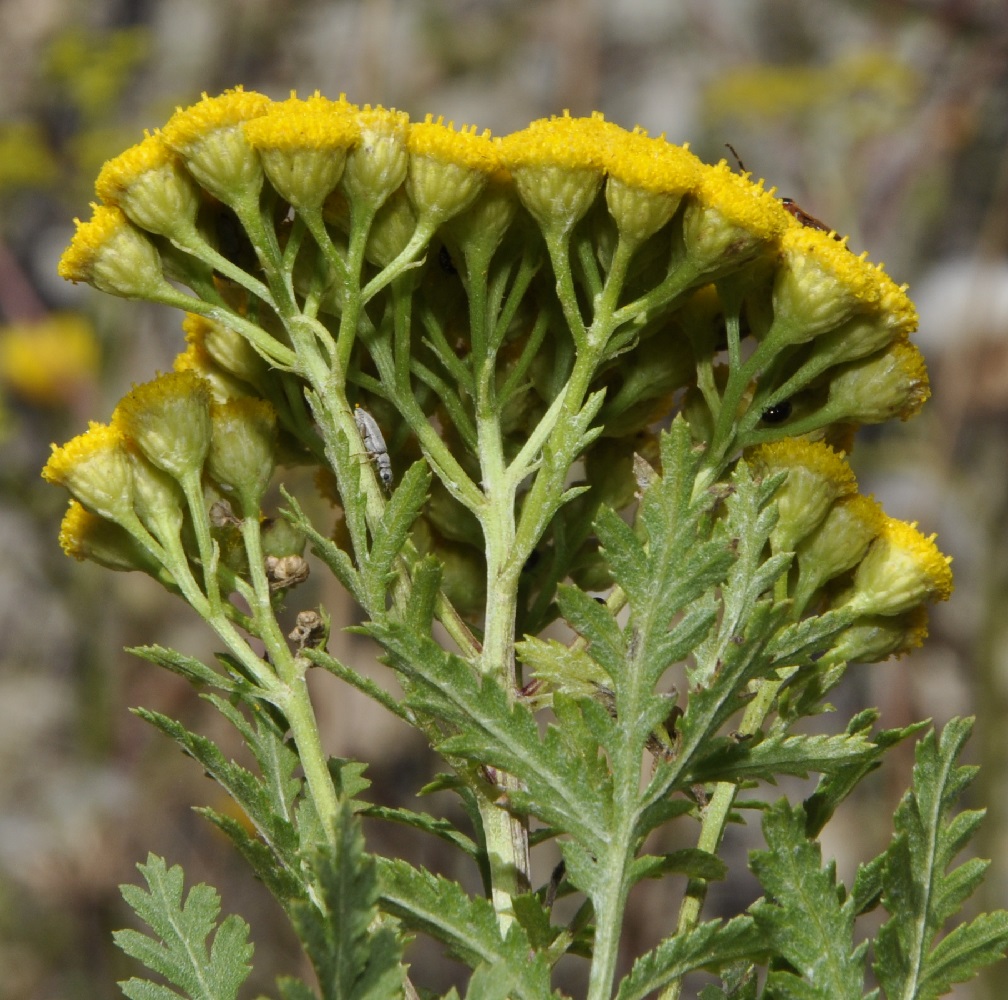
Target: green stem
[718, 808]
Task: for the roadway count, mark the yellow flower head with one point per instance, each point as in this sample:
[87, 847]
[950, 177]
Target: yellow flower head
[110, 253]
[891, 383]
[878, 637]
[84, 535]
[558, 164]
[95, 468]
[168, 419]
[49, 360]
[210, 139]
[838, 543]
[730, 219]
[376, 166]
[447, 169]
[303, 146]
[646, 181]
[228, 348]
[149, 184]
[902, 570]
[816, 477]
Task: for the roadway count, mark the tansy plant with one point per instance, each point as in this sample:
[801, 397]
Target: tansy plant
[581, 405]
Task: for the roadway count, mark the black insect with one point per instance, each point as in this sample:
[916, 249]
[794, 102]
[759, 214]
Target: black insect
[777, 413]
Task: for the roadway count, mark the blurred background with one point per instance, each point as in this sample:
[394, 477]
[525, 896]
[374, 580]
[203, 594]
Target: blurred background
[888, 119]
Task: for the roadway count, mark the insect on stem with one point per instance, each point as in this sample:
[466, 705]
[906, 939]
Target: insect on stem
[374, 444]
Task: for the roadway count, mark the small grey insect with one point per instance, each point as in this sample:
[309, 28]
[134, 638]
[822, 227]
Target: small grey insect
[374, 444]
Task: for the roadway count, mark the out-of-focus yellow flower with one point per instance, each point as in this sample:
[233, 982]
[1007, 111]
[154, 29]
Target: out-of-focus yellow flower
[25, 157]
[47, 360]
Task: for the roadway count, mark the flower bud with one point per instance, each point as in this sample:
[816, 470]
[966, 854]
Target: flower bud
[169, 421]
[487, 219]
[816, 477]
[376, 166]
[837, 544]
[876, 638]
[242, 452]
[157, 499]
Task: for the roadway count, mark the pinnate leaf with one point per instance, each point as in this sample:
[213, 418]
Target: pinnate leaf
[922, 893]
[177, 948]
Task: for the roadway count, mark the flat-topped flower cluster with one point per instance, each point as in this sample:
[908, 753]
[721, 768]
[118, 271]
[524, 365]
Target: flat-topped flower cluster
[474, 293]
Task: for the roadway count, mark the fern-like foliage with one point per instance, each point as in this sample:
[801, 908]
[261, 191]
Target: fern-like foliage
[807, 923]
[177, 948]
[920, 890]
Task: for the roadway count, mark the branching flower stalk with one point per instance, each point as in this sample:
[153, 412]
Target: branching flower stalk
[569, 375]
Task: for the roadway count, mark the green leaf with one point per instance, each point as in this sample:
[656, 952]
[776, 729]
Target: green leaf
[193, 670]
[566, 780]
[467, 926]
[267, 807]
[177, 949]
[390, 536]
[441, 828]
[802, 916]
[838, 783]
[728, 760]
[922, 893]
[713, 946]
[354, 957]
